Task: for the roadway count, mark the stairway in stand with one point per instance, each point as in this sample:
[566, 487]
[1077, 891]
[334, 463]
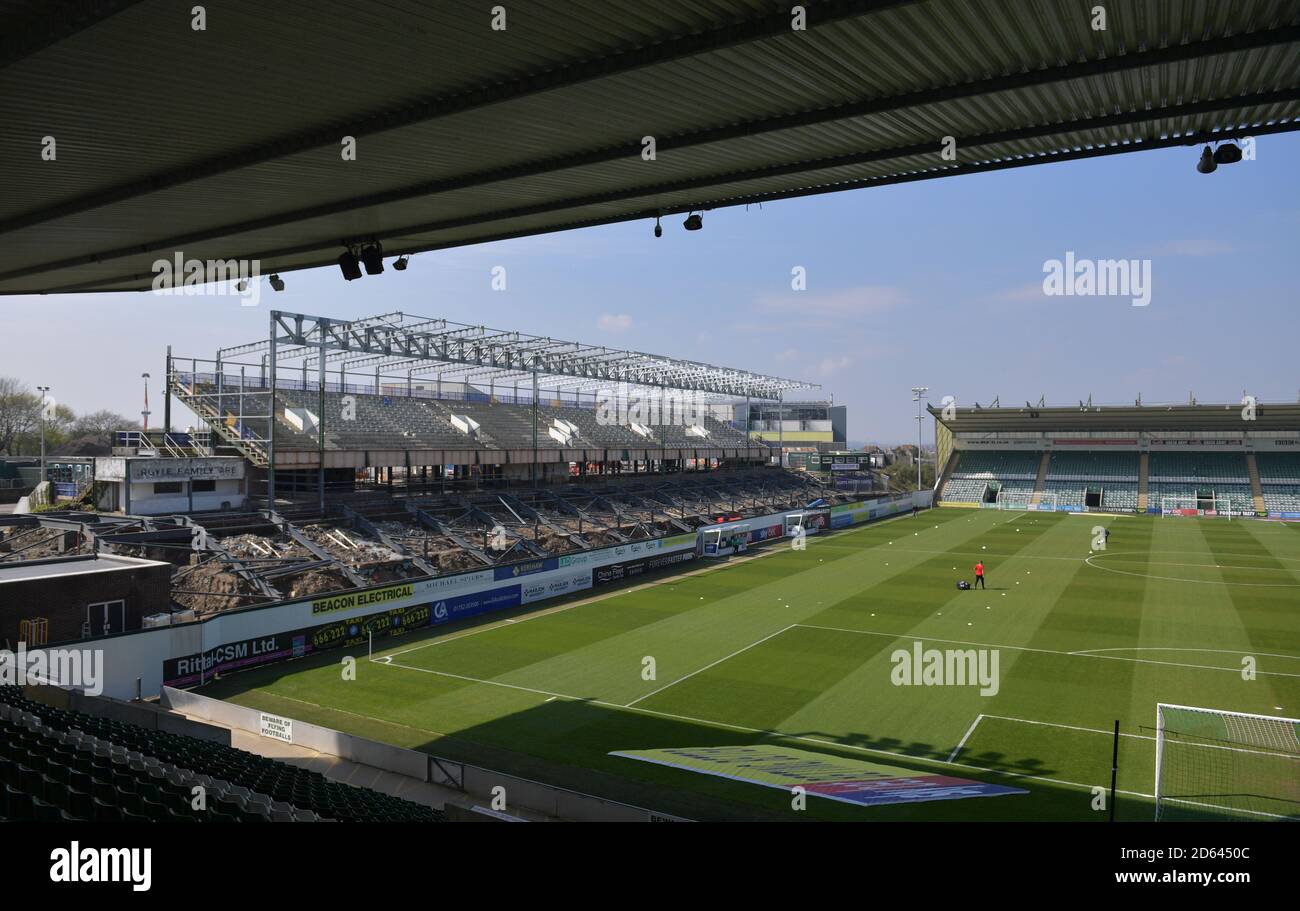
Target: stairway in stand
[1038, 482]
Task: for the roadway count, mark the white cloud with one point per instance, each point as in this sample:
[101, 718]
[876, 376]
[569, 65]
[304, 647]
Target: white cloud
[1031, 291]
[828, 365]
[1197, 246]
[614, 322]
[859, 301]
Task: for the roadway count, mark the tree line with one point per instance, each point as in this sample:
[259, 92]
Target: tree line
[66, 432]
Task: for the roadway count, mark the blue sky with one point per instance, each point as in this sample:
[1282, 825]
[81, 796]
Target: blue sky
[936, 283]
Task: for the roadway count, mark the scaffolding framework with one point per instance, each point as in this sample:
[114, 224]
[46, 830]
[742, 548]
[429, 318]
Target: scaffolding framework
[393, 351]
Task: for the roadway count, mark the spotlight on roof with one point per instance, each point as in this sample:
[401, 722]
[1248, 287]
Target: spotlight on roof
[277, 282]
[693, 222]
[659, 229]
[372, 257]
[401, 262]
[349, 266]
[1227, 153]
[1207, 163]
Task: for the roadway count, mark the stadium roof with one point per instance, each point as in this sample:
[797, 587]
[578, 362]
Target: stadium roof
[1086, 417]
[394, 344]
[226, 143]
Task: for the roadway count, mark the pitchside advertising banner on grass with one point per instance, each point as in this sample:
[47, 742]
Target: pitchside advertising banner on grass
[838, 778]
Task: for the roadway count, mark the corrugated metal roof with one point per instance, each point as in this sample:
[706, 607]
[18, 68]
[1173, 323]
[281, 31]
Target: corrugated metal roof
[1133, 418]
[224, 143]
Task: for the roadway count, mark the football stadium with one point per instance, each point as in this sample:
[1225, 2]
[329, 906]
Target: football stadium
[382, 552]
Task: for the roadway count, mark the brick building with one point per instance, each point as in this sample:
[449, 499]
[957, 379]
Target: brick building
[80, 596]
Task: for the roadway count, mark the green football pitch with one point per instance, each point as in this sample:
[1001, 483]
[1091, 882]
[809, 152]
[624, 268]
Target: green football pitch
[798, 649]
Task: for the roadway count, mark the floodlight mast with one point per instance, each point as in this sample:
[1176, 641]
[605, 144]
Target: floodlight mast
[918, 396]
[44, 391]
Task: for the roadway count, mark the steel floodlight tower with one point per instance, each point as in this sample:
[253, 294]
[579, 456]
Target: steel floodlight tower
[918, 396]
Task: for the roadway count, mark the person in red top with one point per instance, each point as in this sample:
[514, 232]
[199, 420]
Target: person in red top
[979, 575]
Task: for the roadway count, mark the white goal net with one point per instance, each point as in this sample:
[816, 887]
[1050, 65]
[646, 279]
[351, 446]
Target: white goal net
[1221, 765]
[1022, 503]
[1178, 506]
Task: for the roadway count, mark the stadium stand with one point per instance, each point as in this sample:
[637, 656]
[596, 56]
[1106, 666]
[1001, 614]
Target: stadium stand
[227, 559]
[1015, 491]
[1073, 494]
[1279, 479]
[964, 490]
[1282, 497]
[1278, 467]
[410, 422]
[997, 465]
[1173, 458]
[1094, 480]
[1207, 477]
[1109, 480]
[1093, 466]
[1199, 467]
[992, 476]
[590, 429]
[58, 765]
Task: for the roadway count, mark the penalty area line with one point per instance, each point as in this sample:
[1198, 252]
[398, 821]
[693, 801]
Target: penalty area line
[779, 735]
[709, 665]
[1039, 651]
[970, 730]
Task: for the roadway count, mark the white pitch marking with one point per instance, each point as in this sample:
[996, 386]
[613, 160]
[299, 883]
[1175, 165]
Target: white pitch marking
[1072, 727]
[709, 665]
[598, 599]
[1041, 651]
[780, 735]
[1124, 572]
[1173, 648]
[971, 730]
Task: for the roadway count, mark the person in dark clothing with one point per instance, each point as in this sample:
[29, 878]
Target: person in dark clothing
[979, 575]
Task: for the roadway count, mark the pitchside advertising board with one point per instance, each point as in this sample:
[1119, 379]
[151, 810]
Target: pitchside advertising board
[299, 643]
[630, 569]
[847, 514]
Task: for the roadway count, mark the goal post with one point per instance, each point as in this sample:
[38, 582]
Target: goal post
[1178, 506]
[1022, 503]
[1223, 506]
[1213, 764]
